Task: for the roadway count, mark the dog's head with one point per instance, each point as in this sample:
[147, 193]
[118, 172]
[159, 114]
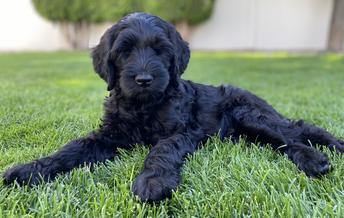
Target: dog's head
[141, 56]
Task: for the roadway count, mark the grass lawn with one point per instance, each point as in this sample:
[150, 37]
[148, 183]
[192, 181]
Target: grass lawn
[48, 99]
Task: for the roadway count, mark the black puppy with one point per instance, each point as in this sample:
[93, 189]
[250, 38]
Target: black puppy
[142, 58]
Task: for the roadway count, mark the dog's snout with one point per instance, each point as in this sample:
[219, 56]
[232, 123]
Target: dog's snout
[144, 79]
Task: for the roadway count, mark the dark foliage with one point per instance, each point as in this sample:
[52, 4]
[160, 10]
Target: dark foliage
[89, 11]
[142, 58]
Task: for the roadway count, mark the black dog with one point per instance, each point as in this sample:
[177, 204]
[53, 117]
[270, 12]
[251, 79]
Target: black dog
[142, 58]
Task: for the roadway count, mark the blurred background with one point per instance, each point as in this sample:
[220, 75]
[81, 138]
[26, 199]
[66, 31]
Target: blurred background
[263, 25]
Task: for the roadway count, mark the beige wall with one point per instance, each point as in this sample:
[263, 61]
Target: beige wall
[235, 24]
[265, 25]
[22, 28]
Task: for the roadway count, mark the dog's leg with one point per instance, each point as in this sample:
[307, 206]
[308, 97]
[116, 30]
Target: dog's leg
[162, 168]
[315, 135]
[272, 131]
[89, 150]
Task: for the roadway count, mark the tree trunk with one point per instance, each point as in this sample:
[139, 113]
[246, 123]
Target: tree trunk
[77, 34]
[336, 37]
[184, 29]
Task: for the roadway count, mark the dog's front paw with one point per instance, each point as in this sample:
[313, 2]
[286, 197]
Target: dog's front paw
[25, 174]
[312, 162]
[152, 188]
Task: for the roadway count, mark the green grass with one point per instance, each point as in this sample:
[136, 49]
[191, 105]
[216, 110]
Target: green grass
[47, 99]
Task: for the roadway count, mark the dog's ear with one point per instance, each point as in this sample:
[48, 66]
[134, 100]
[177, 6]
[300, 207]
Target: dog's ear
[182, 50]
[102, 60]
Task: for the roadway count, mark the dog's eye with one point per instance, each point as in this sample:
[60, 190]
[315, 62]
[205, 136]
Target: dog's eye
[157, 50]
[161, 47]
[125, 54]
[123, 50]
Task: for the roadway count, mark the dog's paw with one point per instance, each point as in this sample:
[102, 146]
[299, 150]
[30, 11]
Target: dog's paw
[25, 174]
[312, 162]
[151, 188]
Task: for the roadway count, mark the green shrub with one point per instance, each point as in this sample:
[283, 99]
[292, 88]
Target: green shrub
[90, 11]
[176, 11]
[75, 16]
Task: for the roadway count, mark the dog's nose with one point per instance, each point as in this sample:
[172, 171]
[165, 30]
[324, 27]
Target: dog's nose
[144, 79]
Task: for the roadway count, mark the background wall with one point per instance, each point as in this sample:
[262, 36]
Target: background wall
[234, 25]
[266, 25]
[23, 29]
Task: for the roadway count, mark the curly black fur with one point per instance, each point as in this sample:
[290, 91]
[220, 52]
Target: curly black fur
[142, 58]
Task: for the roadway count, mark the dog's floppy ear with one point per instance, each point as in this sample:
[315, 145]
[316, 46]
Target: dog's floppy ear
[101, 55]
[182, 51]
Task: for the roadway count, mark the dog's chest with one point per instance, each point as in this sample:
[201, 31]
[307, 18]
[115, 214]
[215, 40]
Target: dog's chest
[160, 124]
[149, 126]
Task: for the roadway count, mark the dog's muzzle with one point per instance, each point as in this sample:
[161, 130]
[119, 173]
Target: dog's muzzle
[144, 80]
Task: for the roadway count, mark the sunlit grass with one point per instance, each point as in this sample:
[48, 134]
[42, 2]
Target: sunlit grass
[48, 99]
